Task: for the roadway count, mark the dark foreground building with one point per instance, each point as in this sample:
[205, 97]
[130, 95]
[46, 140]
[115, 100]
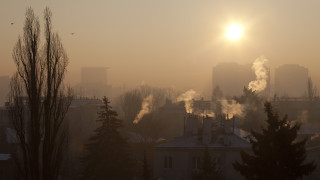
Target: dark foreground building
[182, 157]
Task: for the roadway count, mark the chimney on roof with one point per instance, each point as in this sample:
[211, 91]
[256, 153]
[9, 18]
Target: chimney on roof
[207, 129]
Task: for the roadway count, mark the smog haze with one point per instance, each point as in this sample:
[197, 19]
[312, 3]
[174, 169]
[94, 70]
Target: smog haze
[170, 43]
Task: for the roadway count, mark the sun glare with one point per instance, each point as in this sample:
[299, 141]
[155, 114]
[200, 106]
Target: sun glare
[234, 32]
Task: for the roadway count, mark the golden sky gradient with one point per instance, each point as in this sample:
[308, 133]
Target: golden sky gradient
[170, 42]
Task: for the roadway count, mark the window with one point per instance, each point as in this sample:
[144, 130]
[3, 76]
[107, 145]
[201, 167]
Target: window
[196, 163]
[168, 162]
[216, 160]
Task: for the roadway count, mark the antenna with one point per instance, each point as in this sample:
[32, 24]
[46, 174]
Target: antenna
[184, 125]
[233, 124]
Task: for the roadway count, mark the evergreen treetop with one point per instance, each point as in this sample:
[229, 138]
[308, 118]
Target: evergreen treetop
[108, 152]
[276, 153]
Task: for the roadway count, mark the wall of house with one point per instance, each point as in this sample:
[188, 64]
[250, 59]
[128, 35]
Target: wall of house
[180, 165]
[182, 162]
[229, 158]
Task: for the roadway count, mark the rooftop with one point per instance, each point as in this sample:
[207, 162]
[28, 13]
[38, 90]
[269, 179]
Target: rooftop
[4, 157]
[193, 142]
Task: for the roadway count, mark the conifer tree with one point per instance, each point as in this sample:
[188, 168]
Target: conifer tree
[254, 107]
[209, 170]
[108, 152]
[276, 153]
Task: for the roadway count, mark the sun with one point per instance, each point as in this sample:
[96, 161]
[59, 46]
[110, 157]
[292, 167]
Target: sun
[234, 32]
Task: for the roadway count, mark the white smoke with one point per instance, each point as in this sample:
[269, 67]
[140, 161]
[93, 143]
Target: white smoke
[315, 136]
[207, 114]
[231, 108]
[146, 107]
[303, 116]
[187, 97]
[261, 73]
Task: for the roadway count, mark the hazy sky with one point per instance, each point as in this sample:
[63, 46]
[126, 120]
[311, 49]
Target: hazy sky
[170, 42]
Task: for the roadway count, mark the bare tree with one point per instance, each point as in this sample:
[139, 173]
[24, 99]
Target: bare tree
[39, 101]
[130, 104]
[312, 90]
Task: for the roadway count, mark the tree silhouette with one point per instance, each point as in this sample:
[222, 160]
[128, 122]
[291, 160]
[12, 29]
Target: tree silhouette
[108, 152]
[209, 169]
[253, 106]
[276, 154]
[38, 102]
[312, 90]
[130, 103]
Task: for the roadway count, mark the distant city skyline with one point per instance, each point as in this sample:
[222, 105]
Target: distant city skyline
[170, 44]
[291, 80]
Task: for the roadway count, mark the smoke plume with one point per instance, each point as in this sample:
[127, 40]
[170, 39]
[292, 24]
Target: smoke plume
[303, 116]
[146, 107]
[314, 136]
[209, 114]
[187, 98]
[231, 108]
[261, 75]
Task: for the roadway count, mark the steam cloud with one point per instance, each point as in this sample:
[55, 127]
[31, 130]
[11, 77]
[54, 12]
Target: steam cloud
[261, 75]
[315, 136]
[303, 116]
[209, 114]
[146, 107]
[187, 98]
[231, 108]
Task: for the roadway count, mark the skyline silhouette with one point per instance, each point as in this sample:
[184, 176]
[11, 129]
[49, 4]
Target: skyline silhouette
[171, 44]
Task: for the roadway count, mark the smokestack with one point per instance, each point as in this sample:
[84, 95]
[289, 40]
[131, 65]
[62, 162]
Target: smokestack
[233, 124]
[184, 125]
[228, 126]
[192, 125]
[207, 129]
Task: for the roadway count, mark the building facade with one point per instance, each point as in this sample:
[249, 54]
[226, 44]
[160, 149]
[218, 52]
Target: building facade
[180, 158]
[291, 80]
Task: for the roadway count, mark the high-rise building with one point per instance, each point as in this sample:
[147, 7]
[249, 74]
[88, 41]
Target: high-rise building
[94, 75]
[291, 80]
[93, 83]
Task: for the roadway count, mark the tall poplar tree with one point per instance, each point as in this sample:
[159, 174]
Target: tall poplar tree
[38, 100]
